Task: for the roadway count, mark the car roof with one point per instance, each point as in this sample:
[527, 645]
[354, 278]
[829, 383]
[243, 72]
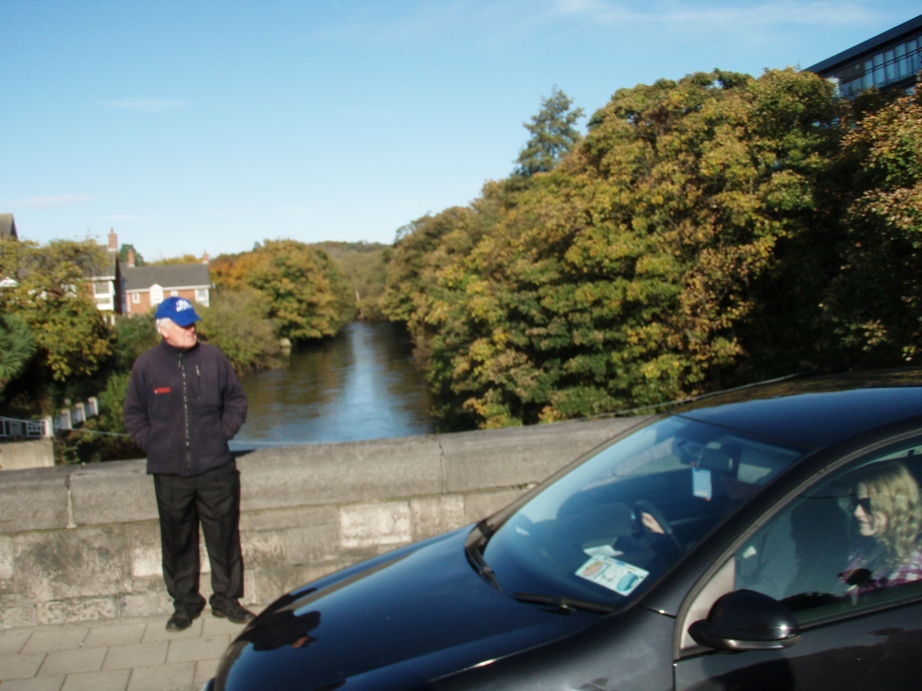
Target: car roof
[815, 412]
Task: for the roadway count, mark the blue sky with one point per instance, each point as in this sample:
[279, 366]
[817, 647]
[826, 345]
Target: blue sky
[192, 126]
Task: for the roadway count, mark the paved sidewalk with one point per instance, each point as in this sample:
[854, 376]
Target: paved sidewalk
[127, 654]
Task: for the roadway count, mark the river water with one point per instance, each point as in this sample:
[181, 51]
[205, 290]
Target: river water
[359, 385]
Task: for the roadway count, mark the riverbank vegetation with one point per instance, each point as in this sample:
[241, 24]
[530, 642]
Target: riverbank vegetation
[307, 295]
[708, 232]
[364, 268]
[56, 346]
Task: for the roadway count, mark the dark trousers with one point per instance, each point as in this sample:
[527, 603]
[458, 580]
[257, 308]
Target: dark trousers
[211, 499]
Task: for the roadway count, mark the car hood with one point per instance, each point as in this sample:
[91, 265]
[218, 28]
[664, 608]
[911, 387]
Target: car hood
[398, 623]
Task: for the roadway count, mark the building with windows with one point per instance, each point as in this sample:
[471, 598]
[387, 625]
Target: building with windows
[105, 282]
[147, 286]
[890, 60]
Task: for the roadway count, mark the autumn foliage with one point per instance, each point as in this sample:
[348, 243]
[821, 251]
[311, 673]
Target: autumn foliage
[306, 295]
[705, 232]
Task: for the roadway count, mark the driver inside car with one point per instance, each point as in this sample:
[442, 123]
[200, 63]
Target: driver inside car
[766, 562]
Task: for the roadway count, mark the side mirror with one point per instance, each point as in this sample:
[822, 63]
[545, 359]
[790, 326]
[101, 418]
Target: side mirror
[746, 620]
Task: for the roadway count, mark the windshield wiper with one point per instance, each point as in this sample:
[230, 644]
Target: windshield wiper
[563, 603]
[472, 547]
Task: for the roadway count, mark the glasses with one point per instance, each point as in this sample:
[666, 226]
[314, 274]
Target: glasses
[864, 503]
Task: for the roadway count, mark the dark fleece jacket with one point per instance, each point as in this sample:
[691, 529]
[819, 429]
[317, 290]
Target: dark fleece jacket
[182, 408]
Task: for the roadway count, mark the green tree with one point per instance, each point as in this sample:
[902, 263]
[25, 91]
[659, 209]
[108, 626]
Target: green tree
[874, 302]
[123, 255]
[308, 296]
[53, 299]
[17, 346]
[134, 335]
[553, 134]
[184, 259]
[104, 438]
[363, 267]
[631, 273]
[236, 321]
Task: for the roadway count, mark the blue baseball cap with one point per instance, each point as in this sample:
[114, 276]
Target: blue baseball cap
[178, 310]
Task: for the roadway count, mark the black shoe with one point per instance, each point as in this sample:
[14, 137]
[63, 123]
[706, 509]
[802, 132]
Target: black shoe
[233, 611]
[182, 618]
[180, 621]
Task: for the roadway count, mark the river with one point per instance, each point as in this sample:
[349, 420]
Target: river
[359, 385]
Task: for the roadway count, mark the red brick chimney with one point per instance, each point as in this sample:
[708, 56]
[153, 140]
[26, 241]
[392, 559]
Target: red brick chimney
[113, 240]
[130, 257]
[205, 257]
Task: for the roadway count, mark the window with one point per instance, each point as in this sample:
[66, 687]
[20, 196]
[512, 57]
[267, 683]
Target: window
[850, 542]
[136, 298]
[201, 296]
[823, 555]
[156, 294]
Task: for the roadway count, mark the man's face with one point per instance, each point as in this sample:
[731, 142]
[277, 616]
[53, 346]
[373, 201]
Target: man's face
[178, 336]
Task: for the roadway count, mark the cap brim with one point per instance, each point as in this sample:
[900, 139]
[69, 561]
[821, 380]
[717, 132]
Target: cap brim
[185, 318]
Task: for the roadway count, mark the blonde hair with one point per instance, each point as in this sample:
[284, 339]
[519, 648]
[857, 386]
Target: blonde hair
[893, 492]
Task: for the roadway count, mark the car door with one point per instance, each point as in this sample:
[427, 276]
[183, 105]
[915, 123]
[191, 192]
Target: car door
[854, 590]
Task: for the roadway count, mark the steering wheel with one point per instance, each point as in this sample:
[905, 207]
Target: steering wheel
[642, 507]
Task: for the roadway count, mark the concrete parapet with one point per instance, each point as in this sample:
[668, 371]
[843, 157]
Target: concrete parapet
[116, 492]
[340, 473]
[82, 543]
[34, 499]
[27, 454]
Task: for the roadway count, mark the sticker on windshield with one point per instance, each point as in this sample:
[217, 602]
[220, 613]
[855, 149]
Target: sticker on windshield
[701, 484]
[613, 574]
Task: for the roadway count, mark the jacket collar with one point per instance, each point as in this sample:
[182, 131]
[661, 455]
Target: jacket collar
[176, 352]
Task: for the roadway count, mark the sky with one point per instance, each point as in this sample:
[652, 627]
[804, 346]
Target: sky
[195, 126]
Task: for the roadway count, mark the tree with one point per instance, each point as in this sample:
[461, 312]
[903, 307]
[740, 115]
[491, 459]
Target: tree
[134, 335]
[308, 296]
[632, 274]
[123, 255]
[236, 322]
[363, 267]
[184, 259]
[552, 134]
[53, 299]
[17, 346]
[874, 302]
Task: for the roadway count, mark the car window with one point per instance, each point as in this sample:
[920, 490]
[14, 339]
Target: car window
[609, 528]
[849, 543]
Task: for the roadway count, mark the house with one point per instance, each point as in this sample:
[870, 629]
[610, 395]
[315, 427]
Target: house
[105, 283]
[144, 287]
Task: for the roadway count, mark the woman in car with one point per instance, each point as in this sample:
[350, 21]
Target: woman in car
[888, 510]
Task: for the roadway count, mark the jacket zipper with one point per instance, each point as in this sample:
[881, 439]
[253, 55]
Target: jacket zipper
[185, 407]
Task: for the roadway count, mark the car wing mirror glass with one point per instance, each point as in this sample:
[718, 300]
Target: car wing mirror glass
[746, 620]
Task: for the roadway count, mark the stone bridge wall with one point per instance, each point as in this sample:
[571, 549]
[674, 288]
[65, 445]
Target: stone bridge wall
[81, 543]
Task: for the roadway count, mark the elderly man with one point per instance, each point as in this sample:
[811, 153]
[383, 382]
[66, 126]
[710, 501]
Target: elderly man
[184, 403]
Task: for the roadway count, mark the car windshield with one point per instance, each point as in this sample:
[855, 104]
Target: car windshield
[605, 531]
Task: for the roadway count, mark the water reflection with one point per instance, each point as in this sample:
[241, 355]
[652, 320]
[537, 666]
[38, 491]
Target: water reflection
[359, 385]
